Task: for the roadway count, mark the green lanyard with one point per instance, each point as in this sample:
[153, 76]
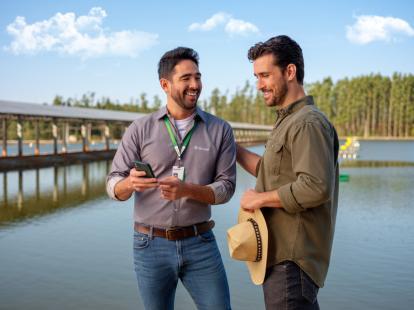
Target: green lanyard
[179, 150]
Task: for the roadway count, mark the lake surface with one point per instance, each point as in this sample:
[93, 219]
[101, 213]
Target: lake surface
[65, 245]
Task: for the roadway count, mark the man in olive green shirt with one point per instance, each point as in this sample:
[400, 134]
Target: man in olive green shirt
[297, 179]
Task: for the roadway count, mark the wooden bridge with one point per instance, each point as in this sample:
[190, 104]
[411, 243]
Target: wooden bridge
[68, 123]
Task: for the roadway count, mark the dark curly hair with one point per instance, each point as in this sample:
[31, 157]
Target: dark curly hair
[285, 50]
[171, 58]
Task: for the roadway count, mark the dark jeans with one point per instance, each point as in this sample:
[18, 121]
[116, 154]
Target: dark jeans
[287, 287]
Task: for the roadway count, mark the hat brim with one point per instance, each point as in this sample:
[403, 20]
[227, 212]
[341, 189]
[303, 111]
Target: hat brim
[257, 270]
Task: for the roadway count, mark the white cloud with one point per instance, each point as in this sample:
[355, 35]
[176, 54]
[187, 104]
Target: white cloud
[238, 26]
[369, 28]
[211, 23]
[231, 25]
[80, 36]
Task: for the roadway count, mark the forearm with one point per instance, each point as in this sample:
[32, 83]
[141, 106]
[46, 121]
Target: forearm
[270, 199]
[248, 160]
[199, 193]
[252, 200]
[123, 189]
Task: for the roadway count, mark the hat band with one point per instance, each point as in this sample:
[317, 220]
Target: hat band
[258, 239]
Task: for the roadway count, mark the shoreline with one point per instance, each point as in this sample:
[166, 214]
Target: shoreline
[376, 138]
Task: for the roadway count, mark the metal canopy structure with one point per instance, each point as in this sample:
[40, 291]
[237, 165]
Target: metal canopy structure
[84, 119]
[74, 113]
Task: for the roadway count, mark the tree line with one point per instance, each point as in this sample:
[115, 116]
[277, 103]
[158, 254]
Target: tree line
[369, 105]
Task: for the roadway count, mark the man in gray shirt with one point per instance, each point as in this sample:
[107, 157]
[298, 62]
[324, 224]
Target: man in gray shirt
[193, 157]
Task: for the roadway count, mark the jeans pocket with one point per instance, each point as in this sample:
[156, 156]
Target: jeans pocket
[309, 288]
[141, 241]
[207, 236]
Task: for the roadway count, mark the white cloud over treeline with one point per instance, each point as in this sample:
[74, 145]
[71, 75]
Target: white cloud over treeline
[370, 28]
[82, 36]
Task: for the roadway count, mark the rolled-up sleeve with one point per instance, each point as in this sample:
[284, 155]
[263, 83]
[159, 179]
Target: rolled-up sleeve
[225, 180]
[123, 161]
[313, 162]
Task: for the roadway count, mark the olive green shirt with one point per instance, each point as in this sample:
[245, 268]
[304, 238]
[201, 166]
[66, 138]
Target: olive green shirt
[300, 162]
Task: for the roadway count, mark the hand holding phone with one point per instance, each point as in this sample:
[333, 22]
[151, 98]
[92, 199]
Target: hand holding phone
[141, 166]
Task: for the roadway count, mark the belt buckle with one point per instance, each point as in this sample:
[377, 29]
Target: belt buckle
[169, 232]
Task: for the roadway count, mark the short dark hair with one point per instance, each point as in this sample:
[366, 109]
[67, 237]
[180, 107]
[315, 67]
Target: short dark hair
[285, 50]
[171, 58]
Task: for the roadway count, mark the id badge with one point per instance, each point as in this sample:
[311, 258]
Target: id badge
[178, 172]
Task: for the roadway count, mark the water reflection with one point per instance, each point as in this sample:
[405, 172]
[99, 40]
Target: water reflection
[30, 193]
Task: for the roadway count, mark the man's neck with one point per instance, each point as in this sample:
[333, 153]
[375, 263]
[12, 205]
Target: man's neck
[294, 94]
[178, 112]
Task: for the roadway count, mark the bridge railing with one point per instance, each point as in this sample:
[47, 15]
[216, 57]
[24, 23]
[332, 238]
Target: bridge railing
[250, 133]
[81, 122]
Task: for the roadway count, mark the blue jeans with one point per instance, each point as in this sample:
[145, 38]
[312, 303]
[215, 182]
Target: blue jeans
[196, 261]
[287, 287]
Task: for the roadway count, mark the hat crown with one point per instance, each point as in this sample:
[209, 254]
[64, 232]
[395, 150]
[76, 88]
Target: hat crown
[242, 241]
[248, 241]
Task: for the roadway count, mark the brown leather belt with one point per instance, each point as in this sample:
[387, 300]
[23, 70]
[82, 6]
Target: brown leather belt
[175, 233]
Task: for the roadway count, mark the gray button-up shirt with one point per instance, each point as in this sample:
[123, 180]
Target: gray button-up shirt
[210, 159]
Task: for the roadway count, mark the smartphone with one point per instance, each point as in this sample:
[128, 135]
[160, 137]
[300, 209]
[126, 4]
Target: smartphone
[141, 166]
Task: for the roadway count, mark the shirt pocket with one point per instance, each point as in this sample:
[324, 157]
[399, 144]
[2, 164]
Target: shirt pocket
[275, 156]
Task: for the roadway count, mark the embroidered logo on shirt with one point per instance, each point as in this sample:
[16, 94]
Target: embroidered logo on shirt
[205, 149]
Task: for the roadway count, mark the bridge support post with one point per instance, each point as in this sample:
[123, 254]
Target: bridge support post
[85, 146]
[19, 137]
[37, 137]
[4, 148]
[107, 136]
[55, 136]
[65, 136]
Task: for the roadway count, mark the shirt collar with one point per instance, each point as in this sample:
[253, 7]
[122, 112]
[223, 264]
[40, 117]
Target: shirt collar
[200, 114]
[295, 106]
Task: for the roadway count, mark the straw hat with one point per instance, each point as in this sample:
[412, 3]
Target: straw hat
[248, 241]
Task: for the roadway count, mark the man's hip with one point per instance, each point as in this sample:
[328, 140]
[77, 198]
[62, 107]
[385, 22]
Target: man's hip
[288, 287]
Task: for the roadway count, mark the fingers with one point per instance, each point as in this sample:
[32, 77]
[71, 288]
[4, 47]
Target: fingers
[169, 180]
[169, 195]
[169, 190]
[168, 187]
[248, 210]
[137, 173]
[139, 182]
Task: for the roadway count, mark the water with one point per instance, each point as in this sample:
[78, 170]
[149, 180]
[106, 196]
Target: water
[64, 245]
[47, 148]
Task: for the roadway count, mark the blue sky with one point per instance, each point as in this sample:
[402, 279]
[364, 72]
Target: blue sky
[112, 47]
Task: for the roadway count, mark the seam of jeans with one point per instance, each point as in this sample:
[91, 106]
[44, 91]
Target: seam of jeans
[301, 284]
[311, 289]
[178, 245]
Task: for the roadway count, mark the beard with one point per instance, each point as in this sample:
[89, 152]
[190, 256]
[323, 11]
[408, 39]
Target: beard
[279, 95]
[184, 102]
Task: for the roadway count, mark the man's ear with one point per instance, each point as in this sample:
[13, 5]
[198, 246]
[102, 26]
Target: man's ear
[291, 72]
[164, 84]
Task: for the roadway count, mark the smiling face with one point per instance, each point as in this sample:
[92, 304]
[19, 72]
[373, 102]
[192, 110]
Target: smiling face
[271, 80]
[184, 85]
